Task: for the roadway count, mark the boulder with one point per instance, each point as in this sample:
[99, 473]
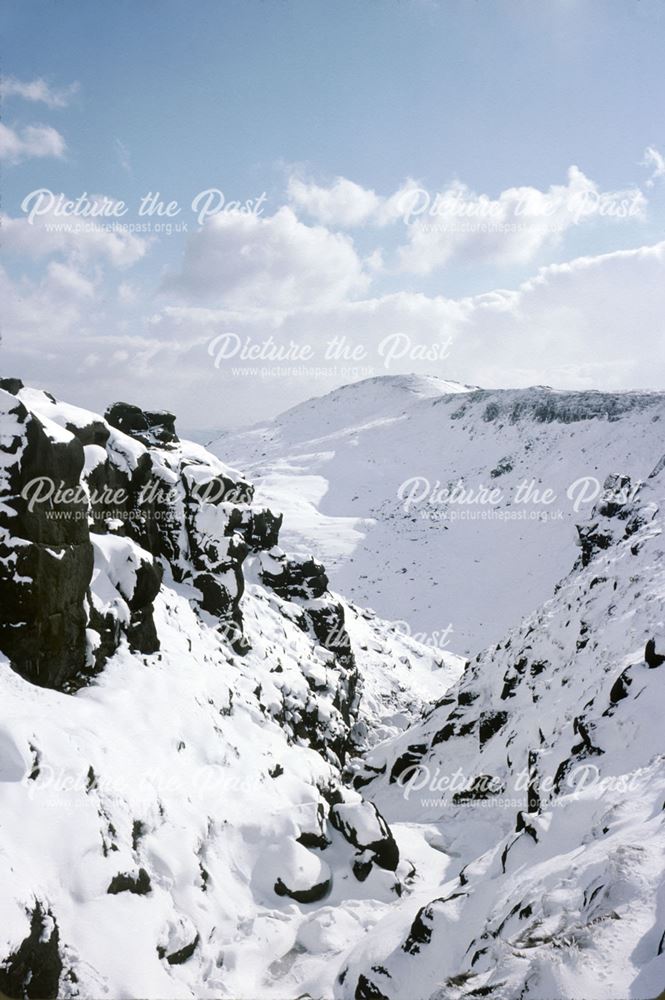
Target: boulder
[150, 427]
[364, 827]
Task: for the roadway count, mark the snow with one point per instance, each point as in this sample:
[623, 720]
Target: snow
[192, 764]
[336, 474]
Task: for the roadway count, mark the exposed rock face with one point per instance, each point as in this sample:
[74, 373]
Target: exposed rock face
[148, 427]
[81, 575]
[33, 971]
[297, 578]
[45, 563]
[614, 516]
[120, 490]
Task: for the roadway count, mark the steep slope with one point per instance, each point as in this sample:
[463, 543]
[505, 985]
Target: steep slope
[369, 485]
[540, 779]
[178, 699]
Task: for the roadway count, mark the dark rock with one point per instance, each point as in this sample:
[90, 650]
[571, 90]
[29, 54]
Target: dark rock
[367, 990]
[33, 971]
[407, 762]
[304, 578]
[502, 467]
[96, 432]
[142, 632]
[651, 657]
[312, 895]
[147, 426]
[46, 561]
[490, 724]
[620, 687]
[139, 885]
[466, 697]
[420, 932]
[382, 847]
[592, 539]
[361, 869]
[215, 596]
[11, 385]
[182, 955]
[311, 840]
[483, 786]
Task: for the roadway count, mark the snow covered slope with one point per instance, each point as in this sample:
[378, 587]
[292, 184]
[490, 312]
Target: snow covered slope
[173, 731]
[540, 780]
[467, 568]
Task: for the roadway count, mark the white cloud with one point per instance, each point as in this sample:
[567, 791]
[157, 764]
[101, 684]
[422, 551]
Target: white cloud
[79, 239]
[344, 203]
[250, 261]
[38, 91]
[458, 224]
[31, 141]
[347, 204]
[38, 316]
[594, 322]
[654, 161]
[510, 229]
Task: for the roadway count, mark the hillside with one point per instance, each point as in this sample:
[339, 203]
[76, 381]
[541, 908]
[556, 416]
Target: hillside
[364, 483]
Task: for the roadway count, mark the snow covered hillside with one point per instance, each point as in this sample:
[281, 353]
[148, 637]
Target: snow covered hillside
[219, 778]
[174, 818]
[360, 475]
[540, 778]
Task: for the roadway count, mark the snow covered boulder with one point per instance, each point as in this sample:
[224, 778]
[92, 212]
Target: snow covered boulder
[364, 827]
[125, 582]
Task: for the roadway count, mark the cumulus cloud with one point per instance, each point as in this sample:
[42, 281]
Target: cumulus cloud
[79, 239]
[346, 204]
[38, 91]
[458, 224]
[510, 229]
[30, 142]
[247, 260]
[593, 322]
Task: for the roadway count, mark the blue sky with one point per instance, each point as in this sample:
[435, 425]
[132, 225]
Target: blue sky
[285, 97]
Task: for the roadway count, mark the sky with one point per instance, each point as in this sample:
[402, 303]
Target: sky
[468, 188]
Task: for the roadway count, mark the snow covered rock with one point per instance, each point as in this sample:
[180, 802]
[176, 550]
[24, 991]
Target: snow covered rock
[363, 826]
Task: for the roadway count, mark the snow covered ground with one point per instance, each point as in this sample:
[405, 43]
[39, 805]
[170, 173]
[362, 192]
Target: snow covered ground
[336, 466]
[253, 788]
